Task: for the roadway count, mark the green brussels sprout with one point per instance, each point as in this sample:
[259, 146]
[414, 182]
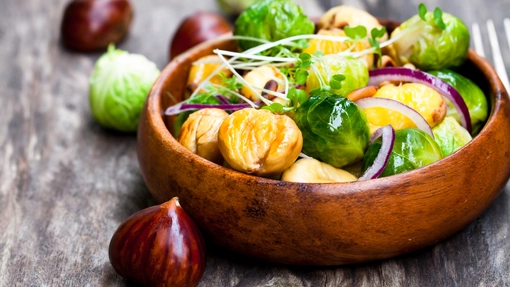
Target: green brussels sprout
[353, 69]
[429, 47]
[475, 99]
[450, 136]
[335, 130]
[118, 88]
[234, 7]
[272, 20]
[205, 98]
[412, 149]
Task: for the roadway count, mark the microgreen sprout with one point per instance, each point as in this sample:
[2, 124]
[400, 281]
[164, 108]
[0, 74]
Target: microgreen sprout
[356, 33]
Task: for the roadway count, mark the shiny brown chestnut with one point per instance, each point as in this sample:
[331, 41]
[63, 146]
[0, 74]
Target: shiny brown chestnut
[90, 25]
[198, 28]
[159, 246]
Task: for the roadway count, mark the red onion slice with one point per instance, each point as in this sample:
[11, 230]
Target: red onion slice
[378, 76]
[381, 160]
[179, 108]
[407, 111]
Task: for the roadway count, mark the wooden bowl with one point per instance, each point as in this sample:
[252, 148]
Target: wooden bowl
[325, 224]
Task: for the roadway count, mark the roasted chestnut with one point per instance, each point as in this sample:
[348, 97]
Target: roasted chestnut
[159, 246]
[198, 28]
[90, 25]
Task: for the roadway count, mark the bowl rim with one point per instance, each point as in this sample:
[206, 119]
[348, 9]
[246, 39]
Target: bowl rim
[496, 95]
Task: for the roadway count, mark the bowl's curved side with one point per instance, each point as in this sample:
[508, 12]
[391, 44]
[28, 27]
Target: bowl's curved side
[324, 224]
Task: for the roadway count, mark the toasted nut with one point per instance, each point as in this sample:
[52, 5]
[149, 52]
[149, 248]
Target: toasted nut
[314, 171]
[259, 142]
[258, 79]
[387, 61]
[410, 66]
[202, 68]
[271, 85]
[361, 93]
[336, 17]
[199, 133]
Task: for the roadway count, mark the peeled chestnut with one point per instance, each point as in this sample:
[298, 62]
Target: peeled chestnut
[159, 246]
[90, 25]
[198, 28]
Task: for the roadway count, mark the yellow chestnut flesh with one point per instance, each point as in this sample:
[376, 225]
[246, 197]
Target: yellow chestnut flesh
[334, 47]
[203, 68]
[429, 103]
[259, 142]
[199, 133]
[313, 171]
[258, 78]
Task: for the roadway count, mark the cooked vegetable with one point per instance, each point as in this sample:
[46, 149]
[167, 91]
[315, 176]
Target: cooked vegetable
[199, 133]
[118, 88]
[387, 135]
[427, 102]
[314, 171]
[272, 20]
[473, 96]
[259, 142]
[450, 136]
[430, 46]
[335, 130]
[353, 69]
[412, 149]
[378, 76]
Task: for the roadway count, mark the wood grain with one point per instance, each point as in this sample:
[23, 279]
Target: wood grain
[66, 184]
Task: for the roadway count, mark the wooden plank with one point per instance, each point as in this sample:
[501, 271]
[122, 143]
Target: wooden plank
[66, 183]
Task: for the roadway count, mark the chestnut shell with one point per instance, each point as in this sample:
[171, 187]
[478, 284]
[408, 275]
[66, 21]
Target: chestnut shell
[90, 25]
[159, 246]
[198, 28]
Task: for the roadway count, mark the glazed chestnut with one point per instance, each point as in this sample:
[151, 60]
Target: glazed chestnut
[159, 246]
[90, 25]
[198, 28]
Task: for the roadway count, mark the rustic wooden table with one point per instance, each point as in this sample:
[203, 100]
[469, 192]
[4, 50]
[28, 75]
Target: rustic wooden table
[66, 183]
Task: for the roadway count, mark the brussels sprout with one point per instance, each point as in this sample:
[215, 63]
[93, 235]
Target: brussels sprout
[335, 130]
[412, 149]
[472, 95]
[450, 136]
[272, 20]
[118, 88]
[429, 47]
[234, 7]
[205, 98]
[354, 70]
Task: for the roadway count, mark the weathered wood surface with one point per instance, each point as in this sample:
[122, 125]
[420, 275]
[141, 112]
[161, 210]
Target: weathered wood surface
[66, 183]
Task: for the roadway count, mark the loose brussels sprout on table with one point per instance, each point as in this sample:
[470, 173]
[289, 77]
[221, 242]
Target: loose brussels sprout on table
[320, 97]
[118, 88]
